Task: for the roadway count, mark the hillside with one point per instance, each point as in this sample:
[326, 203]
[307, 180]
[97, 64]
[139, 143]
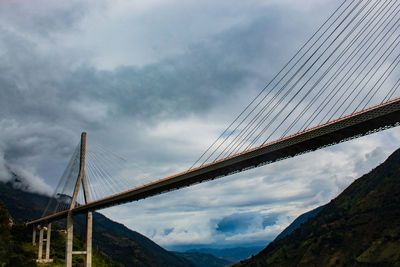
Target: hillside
[16, 248]
[13, 253]
[115, 240]
[204, 259]
[361, 227]
[299, 221]
[231, 254]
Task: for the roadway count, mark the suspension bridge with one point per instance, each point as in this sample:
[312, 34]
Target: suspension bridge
[341, 84]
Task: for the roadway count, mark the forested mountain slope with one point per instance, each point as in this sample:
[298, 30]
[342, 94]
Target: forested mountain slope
[114, 239]
[360, 227]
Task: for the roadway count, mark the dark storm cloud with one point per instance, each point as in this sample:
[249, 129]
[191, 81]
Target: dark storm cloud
[42, 86]
[205, 74]
[28, 81]
[168, 89]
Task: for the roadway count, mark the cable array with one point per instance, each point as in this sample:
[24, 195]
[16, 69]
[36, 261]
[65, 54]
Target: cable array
[350, 63]
[61, 198]
[104, 171]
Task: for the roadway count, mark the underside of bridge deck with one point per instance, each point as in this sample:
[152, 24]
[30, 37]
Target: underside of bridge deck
[359, 124]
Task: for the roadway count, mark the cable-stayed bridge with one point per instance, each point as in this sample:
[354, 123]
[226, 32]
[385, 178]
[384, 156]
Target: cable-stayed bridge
[341, 84]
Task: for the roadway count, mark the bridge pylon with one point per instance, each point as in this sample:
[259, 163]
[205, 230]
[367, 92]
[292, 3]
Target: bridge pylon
[81, 179]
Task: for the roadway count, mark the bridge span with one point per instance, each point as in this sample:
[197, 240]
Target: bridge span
[358, 124]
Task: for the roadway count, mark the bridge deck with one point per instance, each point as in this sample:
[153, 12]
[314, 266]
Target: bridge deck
[368, 121]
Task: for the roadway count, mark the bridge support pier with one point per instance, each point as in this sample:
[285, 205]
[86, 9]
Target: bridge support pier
[40, 249]
[70, 235]
[34, 236]
[69, 239]
[48, 243]
[41, 240]
[89, 228]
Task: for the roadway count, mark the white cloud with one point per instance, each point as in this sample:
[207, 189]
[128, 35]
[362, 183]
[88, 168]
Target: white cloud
[31, 182]
[289, 187]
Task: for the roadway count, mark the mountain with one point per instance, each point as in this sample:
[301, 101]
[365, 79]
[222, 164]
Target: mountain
[204, 259]
[360, 227]
[121, 244]
[16, 246]
[299, 221]
[230, 254]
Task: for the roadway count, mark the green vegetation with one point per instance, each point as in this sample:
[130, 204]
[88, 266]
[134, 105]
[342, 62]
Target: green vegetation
[57, 252]
[361, 227]
[16, 246]
[122, 245]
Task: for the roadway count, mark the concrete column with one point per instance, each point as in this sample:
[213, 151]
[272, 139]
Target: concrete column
[48, 242]
[34, 236]
[70, 234]
[89, 228]
[70, 220]
[40, 250]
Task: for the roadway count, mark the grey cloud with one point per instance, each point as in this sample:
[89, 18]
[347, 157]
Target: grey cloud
[246, 222]
[28, 82]
[43, 18]
[167, 231]
[235, 223]
[49, 93]
[161, 91]
[5, 175]
[36, 144]
[364, 164]
[205, 75]
[44, 88]
[270, 219]
[193, 82]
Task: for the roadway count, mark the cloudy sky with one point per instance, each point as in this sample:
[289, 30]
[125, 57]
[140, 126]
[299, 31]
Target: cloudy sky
[156, 82]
